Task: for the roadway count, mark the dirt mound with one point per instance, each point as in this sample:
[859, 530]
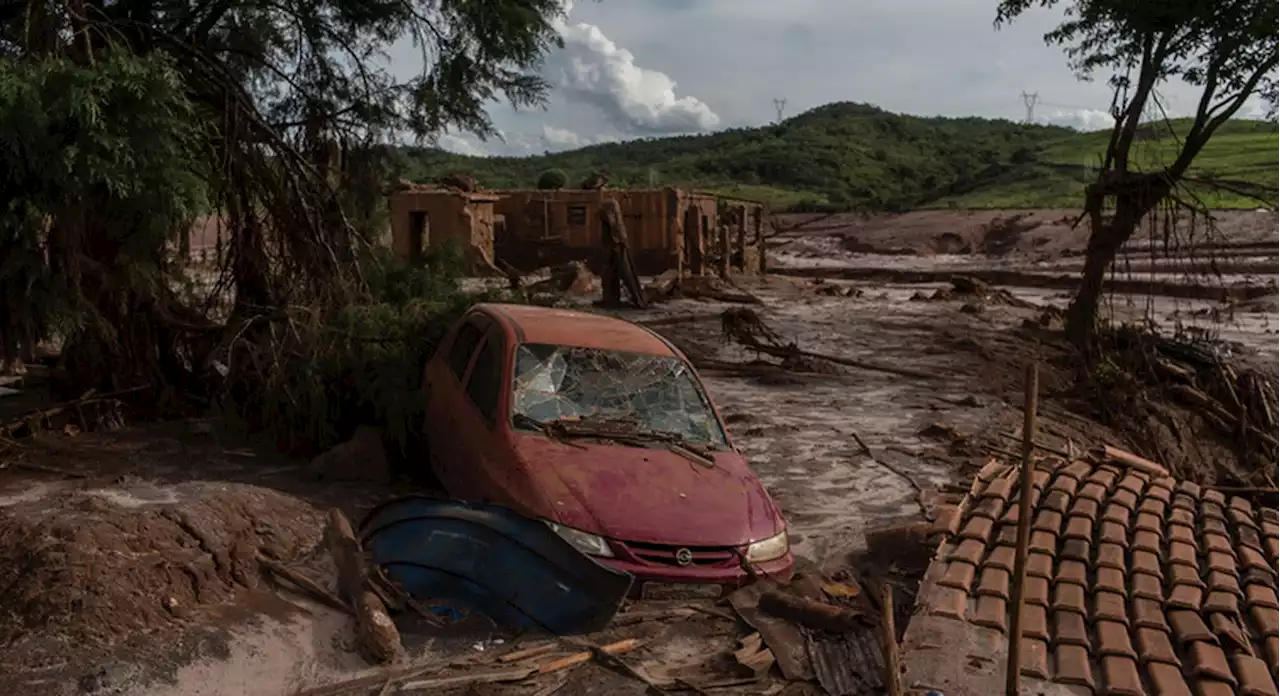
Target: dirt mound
[95, 565]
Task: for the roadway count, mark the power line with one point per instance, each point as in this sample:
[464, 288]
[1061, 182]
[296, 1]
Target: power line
[1030, 101]
[780, 105]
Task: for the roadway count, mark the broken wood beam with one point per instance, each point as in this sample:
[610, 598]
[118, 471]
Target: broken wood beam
[376, 633]
[893, 677]
[308, 586]
[618, 648]
[1115, 455]
[810, 613]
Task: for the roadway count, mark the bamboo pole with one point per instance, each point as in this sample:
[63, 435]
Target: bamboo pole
[893, 680]
[1013, 672]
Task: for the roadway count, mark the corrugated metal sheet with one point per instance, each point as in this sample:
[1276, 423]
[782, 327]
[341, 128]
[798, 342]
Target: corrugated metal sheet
[850, 664]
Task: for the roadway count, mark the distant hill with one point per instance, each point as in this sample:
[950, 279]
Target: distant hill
[849, 156]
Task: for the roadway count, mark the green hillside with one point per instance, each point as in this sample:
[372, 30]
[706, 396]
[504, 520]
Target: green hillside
[857, 156]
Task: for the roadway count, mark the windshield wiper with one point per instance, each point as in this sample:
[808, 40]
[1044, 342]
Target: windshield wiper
[565, 429]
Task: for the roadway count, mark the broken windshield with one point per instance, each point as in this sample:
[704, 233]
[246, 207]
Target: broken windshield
[656, 392]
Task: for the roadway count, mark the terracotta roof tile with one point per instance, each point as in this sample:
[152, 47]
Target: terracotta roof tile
[1272, 647]
[1043, 542]
[1113, 533]
[1185, 575]
[1133, 483]
[1056, 501]
[1010, 516]
[1270, 527]
[1223, 602]
[1213, 524]
[1146, 562]
[1076, 549]
[1073, 572]
[1084, 507]
[1068, 597]
[1149, 613]
[1036, 591]
[978, 529]
[1254, 560]
[1207, 660]
[1110, 555]
[1113, 639]
[959, 575]
[1145, 586]
[1040, 565]
[991, 612]
[1039, 478]
[1185, 597]
[1066, 484]
[1211, 687]
[1035, 622]
[1265, 621]
[1110, 579]
[1189, 488]
[1223, 582]
[994, 582]
[989, 508]
[1147, 541]
[1213, 510]
[1164, 483]
[1256, 576]
[1008, 535]
[1254, 676]
[1214, 541]
[1117, 513]
[1069, 629]
[993, 469]
[1178, 532]
[1071, 664]
[1092, 491]
[1076, 470]
[1184, 501]
[1188, 627]
[1000, 488]
[1001, 557]
[1223, 562]
[1273, 546]
[1182, 516]
[1048, 521]
[1154, 646]
[1126, 498]
[1079, 528]
[1110, 606]
[1213, 496]
[1241, 518]
[948, 601]
[1120, 674]
[1153, 505]
[1270, 514]
[1167, 680]
[1229, 633]
[1035, 658]
[1249, 537]
[1261, 596]
[1103, 476]
[1149, 522]
[1182, 553]
[968, 551]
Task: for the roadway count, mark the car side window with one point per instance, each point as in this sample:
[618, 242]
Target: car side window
[464, 344]
[485, 382]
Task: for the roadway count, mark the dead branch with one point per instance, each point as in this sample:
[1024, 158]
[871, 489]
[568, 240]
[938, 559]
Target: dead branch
[377, 635]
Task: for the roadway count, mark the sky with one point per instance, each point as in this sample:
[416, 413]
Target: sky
[652, 68]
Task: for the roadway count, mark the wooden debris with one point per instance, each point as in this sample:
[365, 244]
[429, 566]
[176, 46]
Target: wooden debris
[1030, 401]
[1114, 455]
[893, 677]
[376, 634]
[755, 659]
[783, 638]
[618, 648]
[500, 676]
[526, 653]
[306, 584]
[810, 613]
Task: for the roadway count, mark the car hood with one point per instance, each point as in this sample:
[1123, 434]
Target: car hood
[650, 495]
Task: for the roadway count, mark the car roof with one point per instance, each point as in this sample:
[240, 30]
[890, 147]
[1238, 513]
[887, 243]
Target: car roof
[565, 327]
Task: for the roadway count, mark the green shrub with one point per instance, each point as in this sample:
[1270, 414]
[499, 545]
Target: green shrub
[553, 179]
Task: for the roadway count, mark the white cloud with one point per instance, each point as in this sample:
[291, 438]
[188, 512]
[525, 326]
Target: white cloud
[1079, 119]
[563, 138]
[592, 69]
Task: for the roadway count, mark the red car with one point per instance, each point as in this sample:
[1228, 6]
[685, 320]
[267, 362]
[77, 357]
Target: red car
[602, 429]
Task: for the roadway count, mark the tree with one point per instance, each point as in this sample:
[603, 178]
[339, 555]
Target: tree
[121, 121]
[1225, 48]
[553, 179]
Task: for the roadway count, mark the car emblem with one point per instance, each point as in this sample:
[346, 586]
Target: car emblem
[684, 557]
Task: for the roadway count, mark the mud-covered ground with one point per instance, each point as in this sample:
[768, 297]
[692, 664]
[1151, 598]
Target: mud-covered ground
[205, 625]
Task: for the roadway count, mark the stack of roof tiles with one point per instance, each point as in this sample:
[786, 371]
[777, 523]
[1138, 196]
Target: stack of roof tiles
[1136, 583]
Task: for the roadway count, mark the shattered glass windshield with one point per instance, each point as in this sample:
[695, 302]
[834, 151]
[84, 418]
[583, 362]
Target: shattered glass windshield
[657, 393]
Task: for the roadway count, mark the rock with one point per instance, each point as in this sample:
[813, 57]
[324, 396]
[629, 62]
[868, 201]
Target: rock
[362, 458]
[572, 278]
[111, 678]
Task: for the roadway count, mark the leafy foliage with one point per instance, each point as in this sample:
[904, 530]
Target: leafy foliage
[553, 179]
[843, 156]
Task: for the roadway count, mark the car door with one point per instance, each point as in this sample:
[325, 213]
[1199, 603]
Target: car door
[444, 381]
[483, 469]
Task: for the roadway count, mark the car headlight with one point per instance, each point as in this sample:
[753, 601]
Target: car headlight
[768, 549]
[585, 542]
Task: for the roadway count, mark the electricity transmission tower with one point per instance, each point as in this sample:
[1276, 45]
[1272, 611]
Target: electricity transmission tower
[779, 105]
[1030, 101]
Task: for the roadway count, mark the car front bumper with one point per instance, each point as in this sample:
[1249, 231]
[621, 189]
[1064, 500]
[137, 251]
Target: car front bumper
[697, 578]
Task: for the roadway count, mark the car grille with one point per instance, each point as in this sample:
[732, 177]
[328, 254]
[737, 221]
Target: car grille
[665, 554]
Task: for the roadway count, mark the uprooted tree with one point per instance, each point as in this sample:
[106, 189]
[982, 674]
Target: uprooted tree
[1224, 48]
[122, 123]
